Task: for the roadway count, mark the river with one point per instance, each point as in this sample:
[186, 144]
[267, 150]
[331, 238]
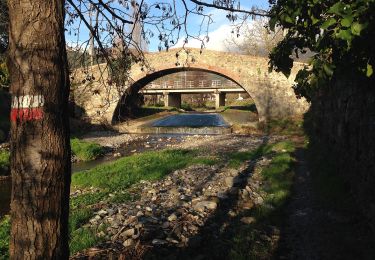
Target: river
[152, 142]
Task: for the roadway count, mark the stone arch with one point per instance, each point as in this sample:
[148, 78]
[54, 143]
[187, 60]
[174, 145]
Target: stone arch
[143, 79]
[271, 91]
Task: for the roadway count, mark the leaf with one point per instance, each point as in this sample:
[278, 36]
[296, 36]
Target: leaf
[337, 8]
[357, 27]
[369, 70]
[288, 19]
[344, 35]
[331, 21]
[272, 23]
[347, 21]
[314, 20]
[328, 69]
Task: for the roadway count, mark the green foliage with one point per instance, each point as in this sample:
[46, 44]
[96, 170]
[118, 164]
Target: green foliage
[186, 107]
[4, 162]
[84, 200]
[78, 217]
[4, 76]
[286, 126]
[86, 151]
[126, 171]
[83, 238]
[340, 33]
[4, 237]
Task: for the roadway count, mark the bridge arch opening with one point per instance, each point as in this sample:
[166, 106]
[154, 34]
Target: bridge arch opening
[131, 98]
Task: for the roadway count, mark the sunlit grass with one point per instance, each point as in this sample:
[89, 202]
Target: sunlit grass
[86, 151]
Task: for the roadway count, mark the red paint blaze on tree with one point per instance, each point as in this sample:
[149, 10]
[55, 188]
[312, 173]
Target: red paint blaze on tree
[27, 108]
[40, 149]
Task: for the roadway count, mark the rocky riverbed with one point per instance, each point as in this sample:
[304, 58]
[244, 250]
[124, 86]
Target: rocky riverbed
[185, 213]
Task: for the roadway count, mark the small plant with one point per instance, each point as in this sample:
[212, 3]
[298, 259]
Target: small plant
[86, 151]
[4, 162]
[4, 237]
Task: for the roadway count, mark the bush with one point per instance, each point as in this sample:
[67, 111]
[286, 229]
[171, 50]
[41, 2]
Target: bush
[4, 162]
[4, 237]
[86, 151]
[186, 107]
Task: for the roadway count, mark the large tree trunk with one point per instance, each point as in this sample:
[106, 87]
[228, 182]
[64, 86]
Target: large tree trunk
[40, 148]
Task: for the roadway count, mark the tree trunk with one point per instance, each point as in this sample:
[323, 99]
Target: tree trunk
[40, 148]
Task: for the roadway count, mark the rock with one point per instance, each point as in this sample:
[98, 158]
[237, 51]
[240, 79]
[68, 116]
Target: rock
[248, 220]
[222, 195]
[128, 242]
[247, 204]
[128, 233]
[101, 234]
[148, 209]
[172, 217]
[232, 172]
[158, 242]
[140, 214]
[95, 219]
[165, 225]
[102, 213]
[117, 155]
[258, 200]
[231, 181]
[200, 206]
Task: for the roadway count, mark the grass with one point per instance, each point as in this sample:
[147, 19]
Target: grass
[83, 238]
[86, 151]
[277, 179]
[112, 178]
[126, 171]
[291, 126]
[116, 178]
[4, 237]
[4, 162]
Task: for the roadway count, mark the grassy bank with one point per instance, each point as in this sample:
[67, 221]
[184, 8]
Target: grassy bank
[86, 151]
[115, 180]
[254, 240]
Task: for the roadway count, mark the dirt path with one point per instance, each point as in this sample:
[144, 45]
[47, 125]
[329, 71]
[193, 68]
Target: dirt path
[315, 231]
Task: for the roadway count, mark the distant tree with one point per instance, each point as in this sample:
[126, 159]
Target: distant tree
[255, 38]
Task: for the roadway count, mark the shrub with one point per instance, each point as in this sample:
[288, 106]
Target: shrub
[86, 151]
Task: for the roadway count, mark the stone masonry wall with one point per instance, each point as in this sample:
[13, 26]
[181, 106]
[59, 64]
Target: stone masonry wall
[272, 92]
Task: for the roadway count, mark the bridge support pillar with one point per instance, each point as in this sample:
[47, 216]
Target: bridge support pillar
[172, 100]
[219, 100]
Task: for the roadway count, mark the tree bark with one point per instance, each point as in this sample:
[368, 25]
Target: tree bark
[40, 147]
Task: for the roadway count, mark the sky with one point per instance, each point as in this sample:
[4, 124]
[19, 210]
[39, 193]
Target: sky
[219, 30]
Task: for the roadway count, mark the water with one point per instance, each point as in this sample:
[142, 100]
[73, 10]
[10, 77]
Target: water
[191, 120]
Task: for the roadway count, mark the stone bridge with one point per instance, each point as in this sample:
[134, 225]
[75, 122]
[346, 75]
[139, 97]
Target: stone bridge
[272, 92]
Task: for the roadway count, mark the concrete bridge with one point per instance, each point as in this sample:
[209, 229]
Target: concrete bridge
[272, 92]
[172, 96]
